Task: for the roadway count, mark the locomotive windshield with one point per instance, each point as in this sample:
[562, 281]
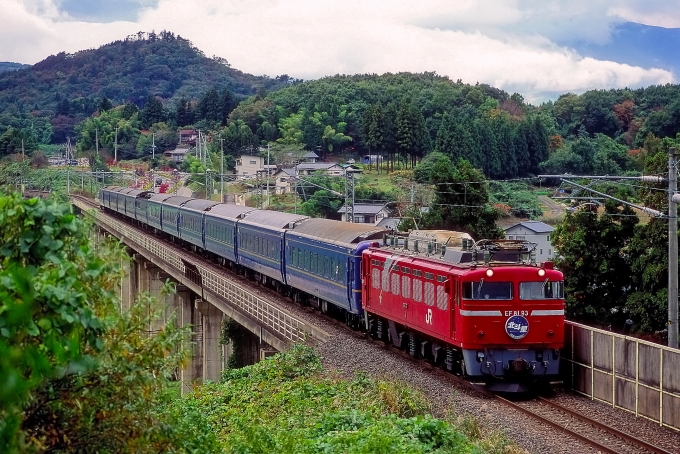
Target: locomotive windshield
[487, 290]
[545, 290]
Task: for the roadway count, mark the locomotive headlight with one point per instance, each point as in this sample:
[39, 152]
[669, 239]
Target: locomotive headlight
[489, 272]
[541, 272]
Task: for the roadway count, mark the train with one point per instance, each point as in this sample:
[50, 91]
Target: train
[485, 310]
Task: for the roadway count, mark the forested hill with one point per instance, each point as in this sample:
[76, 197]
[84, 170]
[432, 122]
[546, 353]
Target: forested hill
[130, 70]
[11, 66]
[406, 116]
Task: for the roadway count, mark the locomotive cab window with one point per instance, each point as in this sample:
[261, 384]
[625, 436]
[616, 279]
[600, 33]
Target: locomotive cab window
[481, 290]
[545, 290]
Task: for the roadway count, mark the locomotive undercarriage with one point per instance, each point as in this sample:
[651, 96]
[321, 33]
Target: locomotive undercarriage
[501, 370]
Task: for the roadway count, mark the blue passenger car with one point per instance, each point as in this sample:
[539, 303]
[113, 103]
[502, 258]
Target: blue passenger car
[323, 259]
[191, 216]
[129, 197]
[260, 241]
[108, 197]
[170, 214]
[154, 210]
[220, 230]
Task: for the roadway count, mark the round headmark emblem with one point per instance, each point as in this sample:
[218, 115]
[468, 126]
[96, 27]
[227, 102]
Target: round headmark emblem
[517, 327]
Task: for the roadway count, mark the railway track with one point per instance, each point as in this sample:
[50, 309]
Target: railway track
[604, 438]
[601, 437]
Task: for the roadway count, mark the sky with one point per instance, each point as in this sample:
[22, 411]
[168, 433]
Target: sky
[538, 48]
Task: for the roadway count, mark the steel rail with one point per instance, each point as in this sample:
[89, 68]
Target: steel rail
[605, 427]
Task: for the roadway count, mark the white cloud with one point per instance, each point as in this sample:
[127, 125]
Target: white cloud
[508, 44]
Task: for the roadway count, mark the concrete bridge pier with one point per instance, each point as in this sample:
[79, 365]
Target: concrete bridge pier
[190, 316]
[211, 318]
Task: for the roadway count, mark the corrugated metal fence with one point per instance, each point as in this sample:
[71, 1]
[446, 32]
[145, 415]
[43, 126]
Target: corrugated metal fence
[635, 375]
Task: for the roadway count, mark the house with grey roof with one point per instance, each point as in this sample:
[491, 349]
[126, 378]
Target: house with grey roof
[366, 213]
[536, 232]
[285, 181]
[310, 157]
[329, 168]
[177, 155]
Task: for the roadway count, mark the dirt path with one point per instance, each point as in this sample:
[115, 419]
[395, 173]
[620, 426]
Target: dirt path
[555, 208]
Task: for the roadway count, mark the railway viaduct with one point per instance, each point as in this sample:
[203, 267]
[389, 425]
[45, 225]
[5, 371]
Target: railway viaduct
[619, 370]
[205, 296]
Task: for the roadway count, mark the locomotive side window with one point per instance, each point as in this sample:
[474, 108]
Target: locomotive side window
[406, 286]
[487, 290]
[375, 278]
[429, 293]
[405, 270]
[395, 284]
[385, 281]
[417, 290]
[541, 290]
[417, 273]
[429, 276]
[442, 298]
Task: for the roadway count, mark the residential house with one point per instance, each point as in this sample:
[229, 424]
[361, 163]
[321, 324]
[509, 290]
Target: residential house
[177, 155]
[248, 166]
[366, 213]
[310, 157]
[535, 232]
[285, 181]
[329, 168]
[188, 137]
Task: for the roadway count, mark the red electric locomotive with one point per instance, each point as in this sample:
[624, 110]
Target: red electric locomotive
[485, 310]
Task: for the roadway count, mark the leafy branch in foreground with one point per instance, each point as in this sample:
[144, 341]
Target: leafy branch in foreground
[76, 375]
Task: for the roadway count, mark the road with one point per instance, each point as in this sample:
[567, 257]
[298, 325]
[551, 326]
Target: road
[554, 207]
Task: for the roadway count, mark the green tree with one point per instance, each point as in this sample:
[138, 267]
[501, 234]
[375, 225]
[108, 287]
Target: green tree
[49, 276]
[592, 252]
[76, 375]
[461, 200]
[153, 112]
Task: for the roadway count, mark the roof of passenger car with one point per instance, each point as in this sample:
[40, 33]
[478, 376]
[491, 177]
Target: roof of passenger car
[272, 219]
[177, 200]
[199, 205]
[228, 211]
[159, 197]
[338, 232]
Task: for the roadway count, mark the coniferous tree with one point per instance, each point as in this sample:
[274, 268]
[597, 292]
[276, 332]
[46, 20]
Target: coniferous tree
[153, 112]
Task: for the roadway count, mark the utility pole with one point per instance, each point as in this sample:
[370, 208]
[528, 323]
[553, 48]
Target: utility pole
[673, 199]
[96, 140]
[349, 195]
[267, 175]
[115, 148]
[295, 191]
[222, 171]
[153, 145]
